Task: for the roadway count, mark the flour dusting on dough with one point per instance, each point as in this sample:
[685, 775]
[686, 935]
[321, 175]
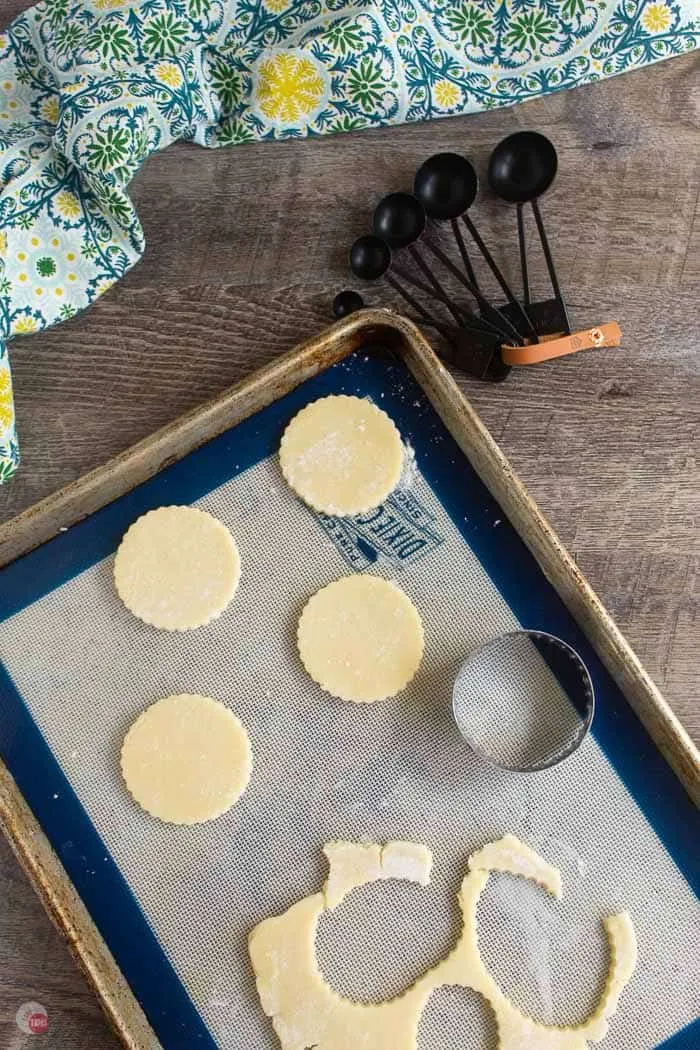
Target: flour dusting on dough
[342, 455]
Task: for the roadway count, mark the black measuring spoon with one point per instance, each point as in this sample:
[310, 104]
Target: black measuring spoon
[521, 169]
[347, 302]
[446, 185]
[370, 259]
[400, 219]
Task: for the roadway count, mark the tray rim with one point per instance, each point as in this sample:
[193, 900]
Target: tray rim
[141, 461]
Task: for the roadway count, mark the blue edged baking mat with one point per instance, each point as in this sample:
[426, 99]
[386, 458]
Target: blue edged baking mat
[175, 905]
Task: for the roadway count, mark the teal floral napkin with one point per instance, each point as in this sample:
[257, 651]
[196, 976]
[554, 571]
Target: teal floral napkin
[88, 90]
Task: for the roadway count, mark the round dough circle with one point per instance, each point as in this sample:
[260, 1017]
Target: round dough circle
[361, 638]
[186, 759]
[342, 455]
[177, 568]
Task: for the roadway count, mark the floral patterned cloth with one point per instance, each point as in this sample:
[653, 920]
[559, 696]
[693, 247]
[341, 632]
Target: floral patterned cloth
[89, 89]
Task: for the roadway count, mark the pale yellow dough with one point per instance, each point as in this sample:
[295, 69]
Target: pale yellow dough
[307, 1012]
[361, 638]
[186, 759]
[177, 568]
[342, 455]
[353, 864]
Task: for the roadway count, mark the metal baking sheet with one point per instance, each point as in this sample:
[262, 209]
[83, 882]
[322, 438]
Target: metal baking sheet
[164, 940]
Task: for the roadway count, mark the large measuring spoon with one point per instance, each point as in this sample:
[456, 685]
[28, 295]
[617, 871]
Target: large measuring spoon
[521, 169]
[446, 185]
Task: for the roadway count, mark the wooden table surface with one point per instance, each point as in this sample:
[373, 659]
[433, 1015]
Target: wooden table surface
[246, 248]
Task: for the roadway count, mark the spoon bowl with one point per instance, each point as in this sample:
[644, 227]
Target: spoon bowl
[522, 167]
[346, 303]
[399, 219]
[446, 186]
[370, 257]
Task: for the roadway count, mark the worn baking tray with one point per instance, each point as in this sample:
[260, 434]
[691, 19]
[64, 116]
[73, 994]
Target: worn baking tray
[42, 528]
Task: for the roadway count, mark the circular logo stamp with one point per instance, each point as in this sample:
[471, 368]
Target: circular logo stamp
[32, 1019]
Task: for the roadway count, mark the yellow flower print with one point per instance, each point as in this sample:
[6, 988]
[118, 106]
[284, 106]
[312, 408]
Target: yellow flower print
[3, 244]
[289, 87]
[656, 18]
[276, 6]
[104, 285]
[108, 5]
[74, 86]
[446, 94]
[168, 73]
[49, 109]
[6, 411]
[24, 325]
[68, 204]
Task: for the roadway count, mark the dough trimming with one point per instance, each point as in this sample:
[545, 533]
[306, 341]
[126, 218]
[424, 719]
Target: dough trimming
[307, 1012]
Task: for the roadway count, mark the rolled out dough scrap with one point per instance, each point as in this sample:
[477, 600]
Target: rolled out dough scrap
[354, 864]
[342, 455]
[514, 857]
[177, 568]
[186, 759]
[307, 1012]
[361, 638]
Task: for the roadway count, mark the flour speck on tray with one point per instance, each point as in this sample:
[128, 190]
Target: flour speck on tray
[410, 469]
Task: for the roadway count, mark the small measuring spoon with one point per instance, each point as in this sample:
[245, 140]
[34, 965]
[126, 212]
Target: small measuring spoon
[370, 259]
[346, 303]
[400, 220]
[446, 185]
[521, 169]
[479, 353]
[349, 302]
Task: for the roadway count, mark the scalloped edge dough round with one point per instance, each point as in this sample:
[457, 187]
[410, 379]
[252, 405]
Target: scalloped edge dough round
[186, 759]
[342, 455]
[177, 568]
[361, 638]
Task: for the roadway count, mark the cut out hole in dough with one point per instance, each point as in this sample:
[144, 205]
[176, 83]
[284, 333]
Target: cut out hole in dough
[186, 759]
[382, 939]
[457, 1019]
[362, 945]
[177, 568]
[342, 455]
[306, 1012]
[554, 947]
[361, 638]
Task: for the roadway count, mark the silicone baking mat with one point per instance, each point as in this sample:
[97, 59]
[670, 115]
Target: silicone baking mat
[175, 905]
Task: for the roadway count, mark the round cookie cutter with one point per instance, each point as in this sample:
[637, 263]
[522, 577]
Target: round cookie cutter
[523, 701]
